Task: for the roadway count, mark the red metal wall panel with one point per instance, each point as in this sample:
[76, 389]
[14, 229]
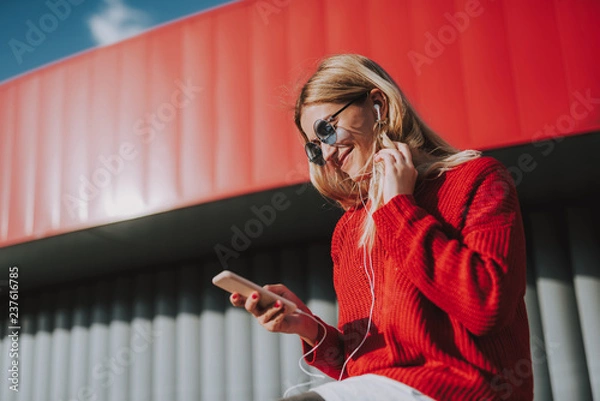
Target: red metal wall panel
[199, 110]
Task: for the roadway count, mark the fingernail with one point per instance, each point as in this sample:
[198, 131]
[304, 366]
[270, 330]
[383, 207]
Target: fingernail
[235, 297]
[278, 304]
[254, 295]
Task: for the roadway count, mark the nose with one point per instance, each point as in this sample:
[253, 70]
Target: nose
[328, 151]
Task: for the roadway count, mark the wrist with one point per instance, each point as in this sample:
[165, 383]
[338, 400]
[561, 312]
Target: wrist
[312, 333]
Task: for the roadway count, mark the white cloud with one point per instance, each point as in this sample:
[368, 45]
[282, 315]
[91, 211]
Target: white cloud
[117, 21]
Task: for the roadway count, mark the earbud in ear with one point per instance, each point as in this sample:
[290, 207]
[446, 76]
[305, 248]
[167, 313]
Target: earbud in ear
[377, 109]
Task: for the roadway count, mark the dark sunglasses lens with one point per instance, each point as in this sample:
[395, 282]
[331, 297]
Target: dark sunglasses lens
[325, 132]
[314, 153]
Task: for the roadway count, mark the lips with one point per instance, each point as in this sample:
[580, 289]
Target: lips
[343, 157]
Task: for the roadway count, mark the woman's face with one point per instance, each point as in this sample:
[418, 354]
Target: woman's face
[354, 127]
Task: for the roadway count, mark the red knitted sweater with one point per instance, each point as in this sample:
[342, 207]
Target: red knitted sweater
[449, 316]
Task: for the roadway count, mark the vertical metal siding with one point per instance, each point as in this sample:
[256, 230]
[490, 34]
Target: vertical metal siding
[27, 361]
[188, 333]
[292, 262]
[320, 281]
[213, 368]
[42, 351]
[265, 345]
[163, 345]
[237, 347]
[119, 341]
[142, 337]
[98, 377]
[564, 348]
[541, 376]
[79, 355]
[584, 243]
[171, 335]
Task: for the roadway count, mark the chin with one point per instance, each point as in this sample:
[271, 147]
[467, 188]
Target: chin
[359, 171]
[356, 177]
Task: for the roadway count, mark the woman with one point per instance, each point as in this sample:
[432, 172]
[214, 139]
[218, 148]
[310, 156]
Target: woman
[429, 258]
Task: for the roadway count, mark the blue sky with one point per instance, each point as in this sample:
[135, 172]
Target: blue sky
[37, 32]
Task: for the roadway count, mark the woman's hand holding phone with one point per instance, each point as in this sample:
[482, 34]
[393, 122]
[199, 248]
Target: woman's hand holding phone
[275, 318]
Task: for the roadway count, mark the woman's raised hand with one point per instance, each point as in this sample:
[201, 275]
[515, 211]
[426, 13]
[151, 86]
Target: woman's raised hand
[400, 175]
[275, 318]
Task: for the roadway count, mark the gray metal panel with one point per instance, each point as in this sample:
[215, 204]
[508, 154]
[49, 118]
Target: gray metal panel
[26, 361]
[320, 293]
[542, 390]
[265, 345]
[59, 370]
[238, 343]
[43, 338]
[163, 345]
[584, 243]
[99, 370]
[110, 340]
[121, 356]
[142, 337]
[172, 335]
[188, 333]
[5, 361]
[80, 338]
[293, 276]
[564, 344]
[213, 353]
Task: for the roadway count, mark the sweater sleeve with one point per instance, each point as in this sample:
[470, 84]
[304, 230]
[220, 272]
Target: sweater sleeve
[328, 356]
[475, 274]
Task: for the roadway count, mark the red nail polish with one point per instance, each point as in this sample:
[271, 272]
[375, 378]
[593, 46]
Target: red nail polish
[254, 296]
[278, 304]
[235, 297]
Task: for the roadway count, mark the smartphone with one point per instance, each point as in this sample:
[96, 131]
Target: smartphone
[229, 281]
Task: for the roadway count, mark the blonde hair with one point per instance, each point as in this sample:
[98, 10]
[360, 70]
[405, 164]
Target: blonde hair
[341, 78]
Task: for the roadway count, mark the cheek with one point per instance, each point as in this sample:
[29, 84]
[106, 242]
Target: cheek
[365, 149]
[364, 157]
[363, 136]
[360, 158]
[343, 135]
[365, 125]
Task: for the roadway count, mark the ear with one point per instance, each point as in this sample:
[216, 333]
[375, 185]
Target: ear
[377, 96]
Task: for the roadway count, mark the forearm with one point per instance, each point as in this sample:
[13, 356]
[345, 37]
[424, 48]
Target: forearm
[477, 279]
[310, 333]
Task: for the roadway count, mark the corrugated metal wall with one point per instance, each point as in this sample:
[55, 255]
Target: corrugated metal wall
[168, 334]
[563, 301]
[110, 134]
[165, 334]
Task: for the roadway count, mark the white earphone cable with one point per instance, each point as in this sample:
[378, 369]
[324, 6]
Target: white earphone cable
[371, 280]
[307, 354]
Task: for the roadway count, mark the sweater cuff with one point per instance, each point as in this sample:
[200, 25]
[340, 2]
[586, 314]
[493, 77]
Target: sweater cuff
[328, 355]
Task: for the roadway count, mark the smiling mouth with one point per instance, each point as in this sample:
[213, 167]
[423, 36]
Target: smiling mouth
[344, 157]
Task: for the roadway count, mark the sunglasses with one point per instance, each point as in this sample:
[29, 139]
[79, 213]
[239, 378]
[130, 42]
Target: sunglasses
[326, 133]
